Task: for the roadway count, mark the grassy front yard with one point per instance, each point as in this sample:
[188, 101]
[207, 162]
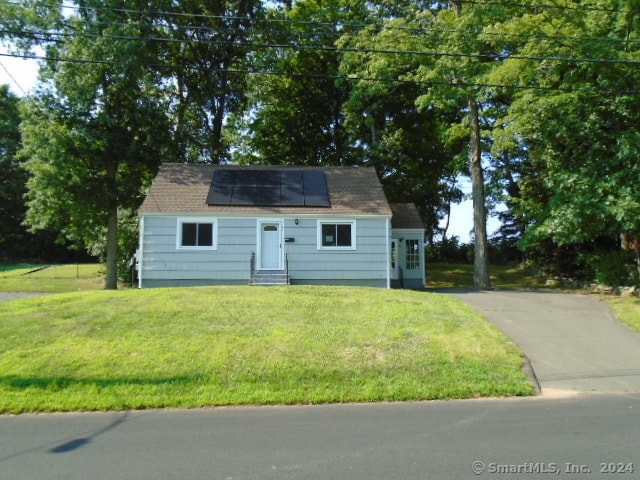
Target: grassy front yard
[194, 347]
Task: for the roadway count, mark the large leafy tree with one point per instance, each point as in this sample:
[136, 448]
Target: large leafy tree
[404, 142]
[577, 123]
[13, 178]
[296, 113]
[206, 49]
[98, 128]
[437, 46]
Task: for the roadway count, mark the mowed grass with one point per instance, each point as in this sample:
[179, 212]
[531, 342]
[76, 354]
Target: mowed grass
[196, 347]
[627, 310]
[51, 278]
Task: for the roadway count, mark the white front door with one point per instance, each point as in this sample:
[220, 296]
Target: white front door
[270, 246]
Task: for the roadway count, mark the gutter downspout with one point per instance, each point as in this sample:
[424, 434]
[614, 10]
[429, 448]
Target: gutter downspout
[388, 249]
[140, 252]
[423, 261]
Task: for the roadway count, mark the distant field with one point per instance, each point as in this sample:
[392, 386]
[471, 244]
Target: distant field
[51, 278]
[444, 275]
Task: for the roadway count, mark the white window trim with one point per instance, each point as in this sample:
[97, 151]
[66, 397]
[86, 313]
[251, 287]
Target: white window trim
[333, 221]
[214, 241]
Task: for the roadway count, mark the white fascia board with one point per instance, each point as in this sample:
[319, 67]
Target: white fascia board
[261, 216]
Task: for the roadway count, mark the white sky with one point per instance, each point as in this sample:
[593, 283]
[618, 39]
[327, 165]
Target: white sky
[461, 223]
[21, 76]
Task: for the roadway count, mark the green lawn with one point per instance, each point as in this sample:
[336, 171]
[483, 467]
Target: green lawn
[194, 347]
[51, 278]
[444, 275]
[627, 309]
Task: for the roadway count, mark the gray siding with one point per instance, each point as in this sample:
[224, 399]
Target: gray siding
[367, 265]
[165, 265]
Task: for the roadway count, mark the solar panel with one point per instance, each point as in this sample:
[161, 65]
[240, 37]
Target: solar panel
[290, 177]
[291, 195]
[267, 195]
[291, 188]
[220, 194]
[243, 195]
[225, 177]
[315, 189]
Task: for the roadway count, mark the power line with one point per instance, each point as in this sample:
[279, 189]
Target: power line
[529, 6]
[334, 77]
[553, 7]
[424, 32]
[338, 27]
[12, 78]
[356, 25]
[283, 46]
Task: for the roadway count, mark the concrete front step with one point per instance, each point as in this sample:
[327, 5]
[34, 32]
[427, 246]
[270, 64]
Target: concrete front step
[269, 278]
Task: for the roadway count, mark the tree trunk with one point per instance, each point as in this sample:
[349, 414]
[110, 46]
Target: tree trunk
[217, 149]
[481, 278]
[112, 228]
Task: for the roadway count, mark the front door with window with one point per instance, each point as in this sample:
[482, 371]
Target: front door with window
[270, 246]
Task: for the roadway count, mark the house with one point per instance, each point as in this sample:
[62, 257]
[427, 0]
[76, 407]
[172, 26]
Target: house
[234, 224]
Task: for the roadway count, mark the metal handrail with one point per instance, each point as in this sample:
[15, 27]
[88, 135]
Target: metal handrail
[286, 265]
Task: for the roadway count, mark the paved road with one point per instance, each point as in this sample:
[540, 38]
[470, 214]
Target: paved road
[400, 441]
[574, 342]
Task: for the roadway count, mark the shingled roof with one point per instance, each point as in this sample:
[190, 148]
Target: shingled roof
[406, 216]
[183, 189]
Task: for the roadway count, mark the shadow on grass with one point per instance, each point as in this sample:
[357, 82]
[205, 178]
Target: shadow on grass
[60, 383]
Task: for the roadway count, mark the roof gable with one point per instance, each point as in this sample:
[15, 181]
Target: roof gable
[406, 216]
[183, 189]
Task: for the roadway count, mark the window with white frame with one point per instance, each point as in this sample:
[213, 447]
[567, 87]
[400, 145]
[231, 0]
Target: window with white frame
[197, 234]
[413, 254]
[337, 234]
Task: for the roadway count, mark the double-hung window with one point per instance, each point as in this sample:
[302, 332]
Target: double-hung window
[197, 234]
[337, 235]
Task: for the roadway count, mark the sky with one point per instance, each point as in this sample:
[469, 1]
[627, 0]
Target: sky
[21, 75]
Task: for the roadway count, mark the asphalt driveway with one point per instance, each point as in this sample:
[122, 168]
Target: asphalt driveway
[6, 296]
[574, 343]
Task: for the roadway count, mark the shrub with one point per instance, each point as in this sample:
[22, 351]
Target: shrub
[615, 268]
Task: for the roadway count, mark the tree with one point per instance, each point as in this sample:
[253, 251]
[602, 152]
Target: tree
[577, 121]
[13, 179]
[296, 115]
[206, 52]
[96, 132]
[456, 73]
[402, 141]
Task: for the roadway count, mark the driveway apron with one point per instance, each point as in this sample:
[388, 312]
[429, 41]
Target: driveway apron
[573, 342]
[6, 296]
